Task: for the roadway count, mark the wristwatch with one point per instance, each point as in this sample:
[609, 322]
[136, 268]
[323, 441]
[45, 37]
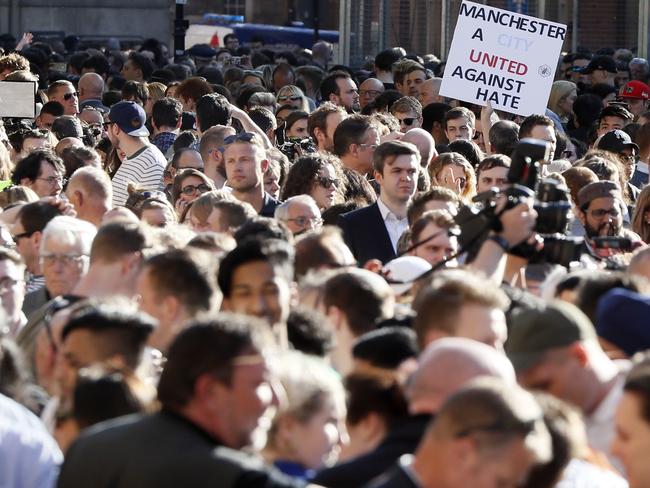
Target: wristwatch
[503, 244]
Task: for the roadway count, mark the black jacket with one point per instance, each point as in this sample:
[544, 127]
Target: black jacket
[163, 450]
[403, 438]
[365, 233]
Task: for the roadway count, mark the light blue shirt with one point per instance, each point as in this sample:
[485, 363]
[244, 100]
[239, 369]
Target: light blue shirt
[29, 457]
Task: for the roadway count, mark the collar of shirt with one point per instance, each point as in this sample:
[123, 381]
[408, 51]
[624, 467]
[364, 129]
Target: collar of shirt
[387, 213]
[607, 407]
[406, 463]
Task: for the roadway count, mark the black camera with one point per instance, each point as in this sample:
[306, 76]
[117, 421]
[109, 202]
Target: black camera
[295, 147]
[552, 204]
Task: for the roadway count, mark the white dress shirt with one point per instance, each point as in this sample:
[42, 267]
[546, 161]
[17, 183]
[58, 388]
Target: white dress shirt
[394, 225]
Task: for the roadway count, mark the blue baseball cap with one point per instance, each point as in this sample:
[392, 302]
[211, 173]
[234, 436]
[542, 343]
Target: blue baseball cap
[622, 319]
[130, 118]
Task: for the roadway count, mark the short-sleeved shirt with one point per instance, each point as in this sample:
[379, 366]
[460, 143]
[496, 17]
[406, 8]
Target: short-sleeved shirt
[145, 168]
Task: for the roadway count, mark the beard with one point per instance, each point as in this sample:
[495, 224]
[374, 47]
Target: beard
[603, 230]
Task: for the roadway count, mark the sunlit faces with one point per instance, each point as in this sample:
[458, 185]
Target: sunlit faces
[413, 80]
[459, 128]
[632, 442]
[398, 180]
[366, 150]
[408, 120]
[483, 324]
[566, 103]
[610, 122]
[32, 143]
[214, 223]
[437, 244]
[348, 95]
[545, 133]
[192, 187]
[245, 165]
[272, 181]
[324, 187]
[260, 290]
[637, 106]
[12, 288]
[332, 121]
[49, 181]
[63, 265]
[67, 96]
[602, 218]
[453, 177]
[496, 177]
[302, 216]
[298, 129]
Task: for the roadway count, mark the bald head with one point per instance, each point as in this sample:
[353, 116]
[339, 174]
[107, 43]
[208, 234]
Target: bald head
[430, 92]
[369, 90]
[423, 140]
[67, 142]
[91, 85]
[90, 192]
[448, 364]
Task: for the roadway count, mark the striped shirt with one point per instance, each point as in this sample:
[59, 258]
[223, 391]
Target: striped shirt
[145, 168]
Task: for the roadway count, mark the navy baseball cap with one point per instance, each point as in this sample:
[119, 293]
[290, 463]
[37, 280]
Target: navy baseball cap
[130, 118]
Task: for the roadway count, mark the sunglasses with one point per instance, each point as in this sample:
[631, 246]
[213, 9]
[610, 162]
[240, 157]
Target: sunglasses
[293, 98]
[68, 96]
[243, 136]
[191, 189]
[408, 121]
[326, 182]
[21, 235]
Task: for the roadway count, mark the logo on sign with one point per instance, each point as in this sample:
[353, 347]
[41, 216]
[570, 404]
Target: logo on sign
[545, 71]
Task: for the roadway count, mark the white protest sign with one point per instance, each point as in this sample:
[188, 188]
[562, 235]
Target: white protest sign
[502, 57]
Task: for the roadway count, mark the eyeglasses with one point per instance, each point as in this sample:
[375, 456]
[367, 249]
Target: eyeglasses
[54, 179]
[477, 136]
[243, 136]
[190, 189]
[65, 259]
[106, 125]
[628, 157]
[408, 121]
[599, 213]
[292, 98]
[370, 93]
[326, 182]
[371, 146]
[7, 283]
[567, 153]
[304, 221]
[68, 96]
[21, 235]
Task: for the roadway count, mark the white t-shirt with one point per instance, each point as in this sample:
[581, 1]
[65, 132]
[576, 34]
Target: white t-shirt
[145, 168]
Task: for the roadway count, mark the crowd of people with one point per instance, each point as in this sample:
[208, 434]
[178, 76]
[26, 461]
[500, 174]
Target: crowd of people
[251, 267]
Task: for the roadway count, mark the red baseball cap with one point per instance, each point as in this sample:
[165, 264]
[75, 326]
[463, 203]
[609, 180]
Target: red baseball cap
[635, 89]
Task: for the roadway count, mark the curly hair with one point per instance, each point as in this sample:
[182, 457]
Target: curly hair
[302, 175]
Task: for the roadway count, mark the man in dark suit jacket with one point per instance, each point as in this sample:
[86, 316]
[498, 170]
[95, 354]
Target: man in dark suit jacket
[490, 433]
[373, 232]
[211, 406]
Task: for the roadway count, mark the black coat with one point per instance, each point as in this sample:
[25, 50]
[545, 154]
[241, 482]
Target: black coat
[162, 450]
[403, 438]
[365, 233]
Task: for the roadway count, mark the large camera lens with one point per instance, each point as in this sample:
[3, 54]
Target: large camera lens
[552, 217]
